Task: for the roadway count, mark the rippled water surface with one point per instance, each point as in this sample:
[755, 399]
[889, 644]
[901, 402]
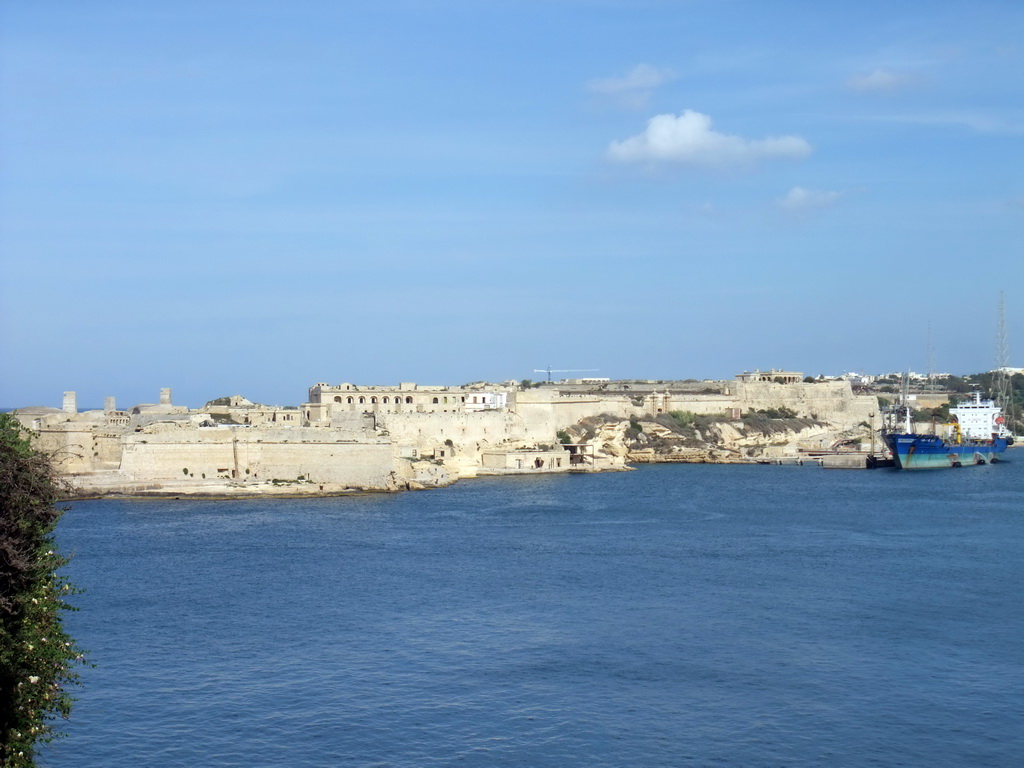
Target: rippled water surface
[676, 615]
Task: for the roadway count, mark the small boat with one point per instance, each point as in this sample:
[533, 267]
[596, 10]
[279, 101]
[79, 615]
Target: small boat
[976, 434]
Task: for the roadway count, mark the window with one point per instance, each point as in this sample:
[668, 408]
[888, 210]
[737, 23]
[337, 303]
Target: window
[435, 401]
[385, 400]
[337, 398]
[350, 401]
[408, 399]
[373, 400]
[362, 400]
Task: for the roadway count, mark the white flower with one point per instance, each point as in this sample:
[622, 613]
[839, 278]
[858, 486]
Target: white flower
[33, 679]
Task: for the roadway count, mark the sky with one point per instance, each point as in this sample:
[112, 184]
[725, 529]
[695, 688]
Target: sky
[253, 197]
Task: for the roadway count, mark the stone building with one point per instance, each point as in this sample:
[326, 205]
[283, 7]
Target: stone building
[326, 401]
[775, 376]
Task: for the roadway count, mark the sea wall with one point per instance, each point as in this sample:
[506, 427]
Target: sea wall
[244, 454]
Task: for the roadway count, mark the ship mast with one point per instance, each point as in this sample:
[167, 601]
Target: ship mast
[905, 400]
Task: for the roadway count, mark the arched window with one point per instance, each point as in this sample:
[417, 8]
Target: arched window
[385, 401]
[408, 399]
[362, 400]
[337, 399]
[373, 399]
[435, 401]
[350, 401]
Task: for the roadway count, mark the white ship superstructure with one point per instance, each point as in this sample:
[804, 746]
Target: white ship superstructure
[979, 419]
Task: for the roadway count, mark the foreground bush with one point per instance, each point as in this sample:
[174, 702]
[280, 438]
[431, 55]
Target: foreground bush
[37, 657]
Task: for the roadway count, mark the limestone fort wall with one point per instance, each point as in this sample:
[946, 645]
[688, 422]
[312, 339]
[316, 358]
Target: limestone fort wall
[243, 454]
[381, 446]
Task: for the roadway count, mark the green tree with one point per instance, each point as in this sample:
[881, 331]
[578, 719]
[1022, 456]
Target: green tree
[37, 657]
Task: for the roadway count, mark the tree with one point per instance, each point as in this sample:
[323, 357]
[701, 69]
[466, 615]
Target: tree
[37, 657]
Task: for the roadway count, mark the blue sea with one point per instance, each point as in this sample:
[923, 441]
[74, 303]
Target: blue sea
[672, 616]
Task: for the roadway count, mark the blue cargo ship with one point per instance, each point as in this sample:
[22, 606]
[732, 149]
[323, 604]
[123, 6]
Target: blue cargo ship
[976, 435]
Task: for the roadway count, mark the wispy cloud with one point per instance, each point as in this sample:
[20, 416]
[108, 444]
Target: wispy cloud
[973, 120]
[881, 80]
[689, 139]
[802, 199]
[632, 90]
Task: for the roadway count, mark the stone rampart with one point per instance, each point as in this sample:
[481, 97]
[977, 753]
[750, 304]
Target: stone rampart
[829, 401]
[545, 410]
[466, 429]
[241, 454]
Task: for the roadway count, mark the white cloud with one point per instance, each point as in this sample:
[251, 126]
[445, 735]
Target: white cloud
[633, 89]
[801, 199]
[880, 80]
[688, 138]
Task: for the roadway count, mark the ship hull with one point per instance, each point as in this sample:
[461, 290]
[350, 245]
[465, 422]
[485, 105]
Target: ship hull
[912, 451]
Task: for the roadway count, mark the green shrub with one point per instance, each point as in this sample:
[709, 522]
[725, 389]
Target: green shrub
[37, 657]
[775, 413]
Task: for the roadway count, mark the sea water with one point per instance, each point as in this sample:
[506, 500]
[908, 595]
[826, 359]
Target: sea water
[675, 615]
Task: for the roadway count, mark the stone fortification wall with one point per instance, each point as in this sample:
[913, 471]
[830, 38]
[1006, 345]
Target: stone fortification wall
[469, 430]
[243, 454]
[703, 405]
[83, 444]
[544, 410]
[830, 401]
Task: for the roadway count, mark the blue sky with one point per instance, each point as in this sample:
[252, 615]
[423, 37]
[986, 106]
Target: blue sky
[250, 197]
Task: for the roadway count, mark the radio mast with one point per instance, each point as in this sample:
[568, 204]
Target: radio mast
[1001, 377]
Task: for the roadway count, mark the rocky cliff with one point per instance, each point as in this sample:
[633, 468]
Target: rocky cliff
[687, 437]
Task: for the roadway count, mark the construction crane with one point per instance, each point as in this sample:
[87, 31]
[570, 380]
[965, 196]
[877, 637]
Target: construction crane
[549, 370]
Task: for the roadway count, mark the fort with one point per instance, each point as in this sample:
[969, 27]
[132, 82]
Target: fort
[349, 437]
